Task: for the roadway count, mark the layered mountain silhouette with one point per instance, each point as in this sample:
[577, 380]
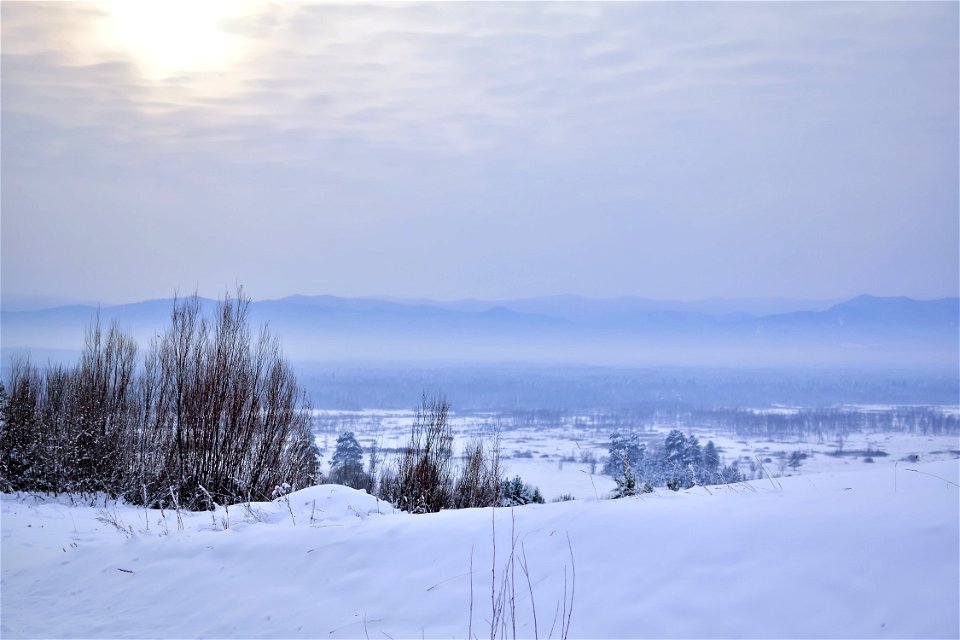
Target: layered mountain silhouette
[867, 330]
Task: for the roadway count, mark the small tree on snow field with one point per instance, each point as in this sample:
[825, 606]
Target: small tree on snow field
[674, 455]
[626, 462]
[693, 461]
[796, 459]
[626, 481]
[625, 452]
[347, 463]
[711, 460]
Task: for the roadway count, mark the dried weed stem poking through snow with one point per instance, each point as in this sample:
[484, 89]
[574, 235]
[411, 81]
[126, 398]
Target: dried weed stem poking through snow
[933, 476]
[113, 519]
[776, 483]
[503, 590]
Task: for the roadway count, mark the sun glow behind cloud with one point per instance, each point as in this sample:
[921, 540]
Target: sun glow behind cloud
[172, 37]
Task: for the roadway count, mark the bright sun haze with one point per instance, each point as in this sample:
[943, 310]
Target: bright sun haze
[164, 38]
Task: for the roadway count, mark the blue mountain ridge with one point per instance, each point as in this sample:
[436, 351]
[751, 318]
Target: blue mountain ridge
[310, 326]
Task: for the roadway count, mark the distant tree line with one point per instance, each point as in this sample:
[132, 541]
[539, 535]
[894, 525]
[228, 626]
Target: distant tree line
[820, 424]
[829, 423]
[210, 415]
[679, 463]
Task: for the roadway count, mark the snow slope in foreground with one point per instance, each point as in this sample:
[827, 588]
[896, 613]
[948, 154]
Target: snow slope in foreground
[862, 554]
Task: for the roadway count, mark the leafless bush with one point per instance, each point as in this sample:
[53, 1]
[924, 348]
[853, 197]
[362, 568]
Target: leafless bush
[222, 411]
[481, 475]
[373, 467]
[20, 455]
[424, 479]
[65, 430]
[213, 417]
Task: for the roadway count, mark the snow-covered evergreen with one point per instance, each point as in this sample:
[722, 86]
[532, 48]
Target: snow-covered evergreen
[346, 467]
[514, 492]
[679, 463]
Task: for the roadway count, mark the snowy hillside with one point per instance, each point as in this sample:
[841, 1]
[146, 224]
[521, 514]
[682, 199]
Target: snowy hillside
[864, 554]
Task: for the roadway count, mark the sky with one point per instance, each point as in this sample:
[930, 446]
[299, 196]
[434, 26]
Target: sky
[450, 150]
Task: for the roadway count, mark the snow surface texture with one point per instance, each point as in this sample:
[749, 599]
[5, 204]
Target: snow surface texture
[871, 553]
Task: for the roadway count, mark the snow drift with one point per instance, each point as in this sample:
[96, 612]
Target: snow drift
[864, 554]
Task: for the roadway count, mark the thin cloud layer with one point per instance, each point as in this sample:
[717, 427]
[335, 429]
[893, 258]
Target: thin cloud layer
[474, 149]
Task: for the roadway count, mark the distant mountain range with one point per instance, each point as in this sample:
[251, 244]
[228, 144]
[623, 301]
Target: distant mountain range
[871, 331]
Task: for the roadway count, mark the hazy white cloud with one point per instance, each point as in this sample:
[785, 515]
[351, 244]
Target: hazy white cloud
[474, 149]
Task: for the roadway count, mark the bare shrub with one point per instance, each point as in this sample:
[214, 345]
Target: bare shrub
[221, 411]
[479, 482]
[99, 418]
[213, 417]
[20, 459]
[66, 430]
[424, 478]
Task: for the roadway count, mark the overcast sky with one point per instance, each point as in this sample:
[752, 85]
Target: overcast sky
[447, 150]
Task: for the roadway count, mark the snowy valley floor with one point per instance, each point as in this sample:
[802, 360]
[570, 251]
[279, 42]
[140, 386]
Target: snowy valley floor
[861, 554]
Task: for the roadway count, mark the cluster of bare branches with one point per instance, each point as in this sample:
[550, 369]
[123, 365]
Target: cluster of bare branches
[62, 430]
[212, 416]
[481, 476]
[426, 478]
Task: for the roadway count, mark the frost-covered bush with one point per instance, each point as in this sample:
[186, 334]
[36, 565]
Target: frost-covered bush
[679, 463]
[515, 492]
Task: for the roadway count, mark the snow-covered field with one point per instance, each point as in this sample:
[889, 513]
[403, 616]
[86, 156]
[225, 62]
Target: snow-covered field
[553, 457]
[867, 553]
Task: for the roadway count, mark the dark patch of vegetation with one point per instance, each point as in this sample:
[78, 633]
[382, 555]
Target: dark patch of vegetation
[823, 423]
[858, 453]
